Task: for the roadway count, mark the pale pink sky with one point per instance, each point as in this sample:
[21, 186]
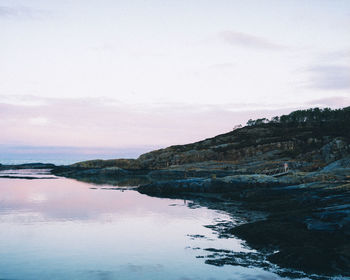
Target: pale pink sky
[108, 123]
[127, 74]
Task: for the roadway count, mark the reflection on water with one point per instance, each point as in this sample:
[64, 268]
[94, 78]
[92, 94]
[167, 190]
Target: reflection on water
[113, 180]
[27, 174]
[64, 229]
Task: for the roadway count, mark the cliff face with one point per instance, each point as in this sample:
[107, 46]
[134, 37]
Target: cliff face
[307, 222]
[254, 149]
[308, 147]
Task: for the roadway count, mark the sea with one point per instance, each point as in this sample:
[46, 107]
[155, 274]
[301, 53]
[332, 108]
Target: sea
[65, 155]
[58, 228]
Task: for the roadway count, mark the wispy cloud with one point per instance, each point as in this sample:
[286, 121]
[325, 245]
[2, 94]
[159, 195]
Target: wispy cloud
[105, 47]
[39, 121]
[23, 100]
[91, 122]
[222, 66]
[333, 102]
[10, 12]
[341, 54]
[329, 77]
[21, 12]
[245, 40]
[109, 123]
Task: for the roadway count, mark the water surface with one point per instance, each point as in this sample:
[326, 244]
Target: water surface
[64, 229]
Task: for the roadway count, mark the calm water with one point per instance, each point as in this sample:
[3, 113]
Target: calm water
[64, 229]
[65, 155]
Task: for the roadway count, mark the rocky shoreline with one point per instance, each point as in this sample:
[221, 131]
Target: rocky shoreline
[306, 226]
[304, 220]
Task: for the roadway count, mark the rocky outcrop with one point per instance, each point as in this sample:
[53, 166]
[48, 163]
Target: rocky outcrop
[271, 143]
[306, 147]
[307, 221]
[28, 166]
[221, 185]
[335, 150]
[131, 164]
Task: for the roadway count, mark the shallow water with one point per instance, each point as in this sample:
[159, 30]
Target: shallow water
[64, 229]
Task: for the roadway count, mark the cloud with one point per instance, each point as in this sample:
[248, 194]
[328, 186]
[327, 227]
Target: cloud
[106, 47]
[24, 100]
[249, 41]
[103, 122]
[100, 122]
[329, 77]
[9, 12]
[20, 12]
[38, 121]
[222, 66]
[333, 102]
[340, 54]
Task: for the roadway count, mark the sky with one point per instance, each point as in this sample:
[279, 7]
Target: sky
[153, 73]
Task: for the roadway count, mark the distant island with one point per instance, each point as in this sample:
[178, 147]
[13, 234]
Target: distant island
[293, 169]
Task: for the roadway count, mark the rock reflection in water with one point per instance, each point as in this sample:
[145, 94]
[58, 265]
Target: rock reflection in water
[62, 229]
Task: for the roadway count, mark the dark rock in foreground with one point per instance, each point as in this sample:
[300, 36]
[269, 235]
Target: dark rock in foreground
[206, 185]
[308, 216]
